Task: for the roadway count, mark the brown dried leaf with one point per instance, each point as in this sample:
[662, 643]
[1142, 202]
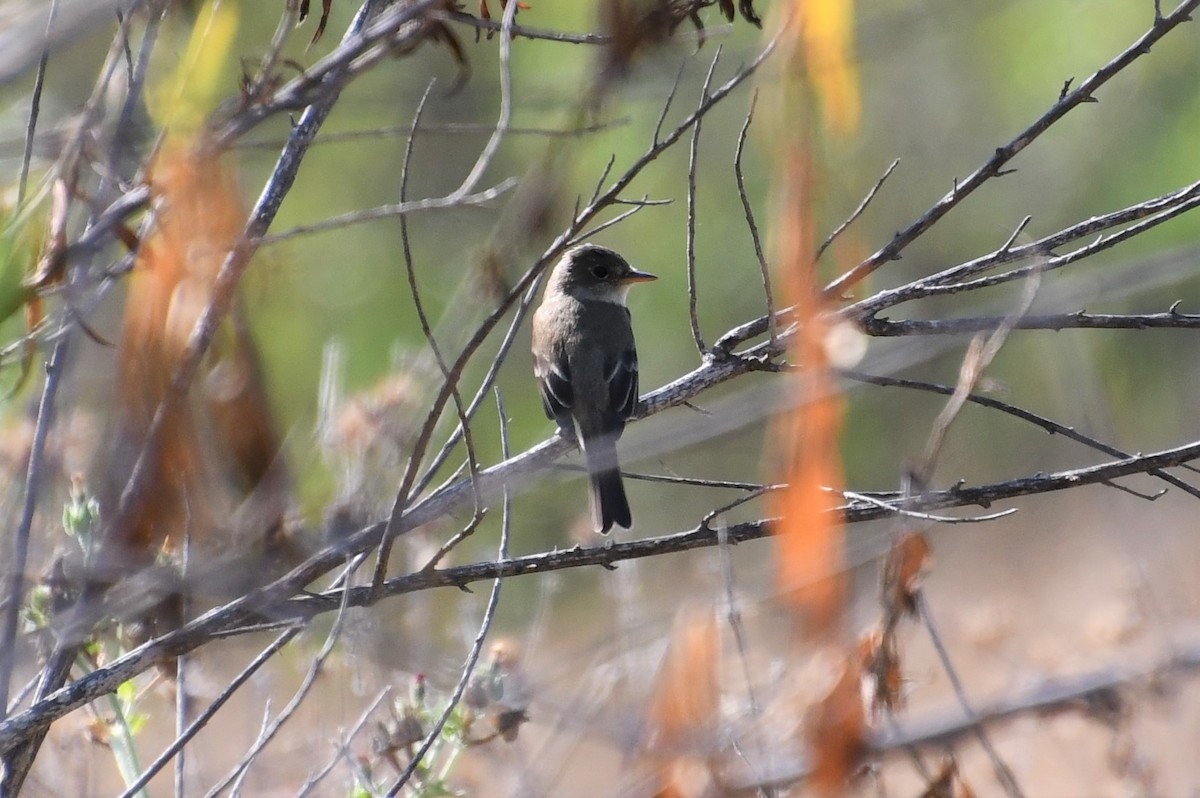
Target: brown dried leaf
[326, 7]
[837, 734]
[882, 677]
[746, 8]
[53, 258]
[508, 723]
[683, 711]
[810, 535]
[904, 569]
[200, 218]
[942, 785]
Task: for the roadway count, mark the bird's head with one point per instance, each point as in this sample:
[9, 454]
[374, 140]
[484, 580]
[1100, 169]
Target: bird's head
[594, 272]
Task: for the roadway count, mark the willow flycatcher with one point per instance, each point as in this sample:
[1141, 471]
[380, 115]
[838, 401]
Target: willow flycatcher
[586, 365]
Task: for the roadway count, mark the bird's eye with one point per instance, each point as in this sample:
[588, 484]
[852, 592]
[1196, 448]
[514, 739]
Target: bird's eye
[600, 272]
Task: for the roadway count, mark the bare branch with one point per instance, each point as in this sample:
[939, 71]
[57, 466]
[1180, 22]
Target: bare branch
[693, 152]
[1150, 212]
[1003, 772]
[1052, 427]
[862, 206]
[740, 177]
[452, 376]
[1083, 93]
[35, 105]
[237, 774]
[488, 615]
[202, 720]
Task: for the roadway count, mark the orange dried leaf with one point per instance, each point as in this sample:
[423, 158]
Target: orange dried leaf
[685, 701]
[809, 533]
[882, 678]
[837, 734]
[903, 571]
[200, 219]
[683, 712]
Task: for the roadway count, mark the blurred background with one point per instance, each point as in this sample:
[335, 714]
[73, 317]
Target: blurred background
[1084, 579]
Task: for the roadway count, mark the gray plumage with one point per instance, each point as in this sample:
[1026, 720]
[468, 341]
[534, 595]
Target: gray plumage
[585, 361]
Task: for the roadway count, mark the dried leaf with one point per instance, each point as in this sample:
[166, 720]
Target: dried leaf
[684, 706]
[508, 723]
[942, 785]
[837, 734]
[809, 534]
[200, 218]
[907, 562]
[52, 262]
[882, 678]
[326, 7]
[683, 712]
[746, 9]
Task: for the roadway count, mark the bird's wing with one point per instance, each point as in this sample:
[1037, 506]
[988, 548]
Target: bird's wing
[554, 385]
[621, 374]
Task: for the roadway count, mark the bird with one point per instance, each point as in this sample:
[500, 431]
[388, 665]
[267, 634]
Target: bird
[586, 366]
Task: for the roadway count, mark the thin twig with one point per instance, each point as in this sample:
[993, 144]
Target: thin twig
[1083, 93]
[740, 177]
[733, 615]
[183, 699]
[1012, 239]
[455, 539]
[204, 717]
[674, 479]
[1004, 774]
[662, 115]
[454, 128]
[738, 502]
[450, 375]
[463, 420]
[1050, 426]
[35, 105]
[899, 510]
[238, 773]
[620, 217]
[318, 776]
[693, 158]
[526, 32]
[484, 627]
[33, 483]
[399, 209]
[862, 206]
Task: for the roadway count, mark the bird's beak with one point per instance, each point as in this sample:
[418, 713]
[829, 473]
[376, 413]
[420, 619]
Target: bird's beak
[635, 276]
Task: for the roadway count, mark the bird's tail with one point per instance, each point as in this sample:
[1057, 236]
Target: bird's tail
[607, 491]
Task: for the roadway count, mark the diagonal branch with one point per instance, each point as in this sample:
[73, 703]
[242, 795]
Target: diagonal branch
[994, 166]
